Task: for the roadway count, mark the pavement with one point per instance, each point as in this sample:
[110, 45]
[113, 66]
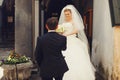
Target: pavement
[34, 74]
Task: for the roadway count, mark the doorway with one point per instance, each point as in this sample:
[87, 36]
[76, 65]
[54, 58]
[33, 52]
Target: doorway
[7, 26]
[85, 8]
[50, 8]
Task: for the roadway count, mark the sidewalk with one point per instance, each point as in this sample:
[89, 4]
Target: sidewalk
[34, 74]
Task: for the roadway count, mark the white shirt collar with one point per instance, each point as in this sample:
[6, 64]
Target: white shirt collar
[51, 31]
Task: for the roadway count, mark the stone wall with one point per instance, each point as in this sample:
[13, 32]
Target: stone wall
[0, 22]
[102, 41]
[23, 27]
[116, 64]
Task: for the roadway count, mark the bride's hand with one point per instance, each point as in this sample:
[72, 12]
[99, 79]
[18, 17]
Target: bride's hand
[65, 34]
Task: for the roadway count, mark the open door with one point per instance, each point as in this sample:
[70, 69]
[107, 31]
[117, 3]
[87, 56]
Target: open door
[49, 8]
[88, 22]
[86, 10]
[7, 27]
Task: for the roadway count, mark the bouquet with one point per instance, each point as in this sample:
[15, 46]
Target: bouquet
[60, 29]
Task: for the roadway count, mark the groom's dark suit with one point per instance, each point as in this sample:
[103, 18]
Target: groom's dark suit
[49, 56]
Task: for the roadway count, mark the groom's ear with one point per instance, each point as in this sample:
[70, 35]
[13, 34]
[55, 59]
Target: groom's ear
[46, 27]
[56, 26]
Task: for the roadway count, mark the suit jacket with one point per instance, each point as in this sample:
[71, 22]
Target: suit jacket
[49, 56]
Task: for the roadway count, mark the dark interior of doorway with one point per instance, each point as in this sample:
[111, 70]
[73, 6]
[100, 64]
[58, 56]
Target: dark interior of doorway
[7, 27]
[52, 8]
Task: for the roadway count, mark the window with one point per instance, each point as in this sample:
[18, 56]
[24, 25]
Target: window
[115, 12]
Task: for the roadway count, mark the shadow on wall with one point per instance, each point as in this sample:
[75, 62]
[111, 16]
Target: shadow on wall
[101, 73]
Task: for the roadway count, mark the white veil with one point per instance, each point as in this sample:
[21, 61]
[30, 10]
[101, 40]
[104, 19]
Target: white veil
[77, 20]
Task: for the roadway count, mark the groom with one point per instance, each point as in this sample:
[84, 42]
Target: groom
[48, 52]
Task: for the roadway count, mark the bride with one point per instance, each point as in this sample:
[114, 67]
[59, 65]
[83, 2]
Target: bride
[76, 55]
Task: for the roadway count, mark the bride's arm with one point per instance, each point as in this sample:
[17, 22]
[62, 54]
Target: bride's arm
[75, 31]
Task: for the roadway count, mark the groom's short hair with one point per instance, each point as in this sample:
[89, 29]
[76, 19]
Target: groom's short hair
[52, 23]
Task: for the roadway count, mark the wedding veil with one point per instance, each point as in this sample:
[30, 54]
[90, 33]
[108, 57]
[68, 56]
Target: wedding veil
[77, 20]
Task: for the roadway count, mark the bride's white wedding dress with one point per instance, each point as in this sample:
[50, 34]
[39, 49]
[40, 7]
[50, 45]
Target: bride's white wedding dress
[77, 58]
[1, 72]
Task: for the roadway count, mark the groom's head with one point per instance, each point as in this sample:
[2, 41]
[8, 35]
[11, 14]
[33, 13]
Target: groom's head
[52, 23]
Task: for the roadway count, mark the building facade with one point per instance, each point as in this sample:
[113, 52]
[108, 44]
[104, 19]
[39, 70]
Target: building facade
[29, 21]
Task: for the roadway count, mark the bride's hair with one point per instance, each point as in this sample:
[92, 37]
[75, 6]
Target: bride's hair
[67, 10]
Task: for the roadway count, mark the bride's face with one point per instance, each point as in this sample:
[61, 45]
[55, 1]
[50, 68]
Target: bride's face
[68, 15]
